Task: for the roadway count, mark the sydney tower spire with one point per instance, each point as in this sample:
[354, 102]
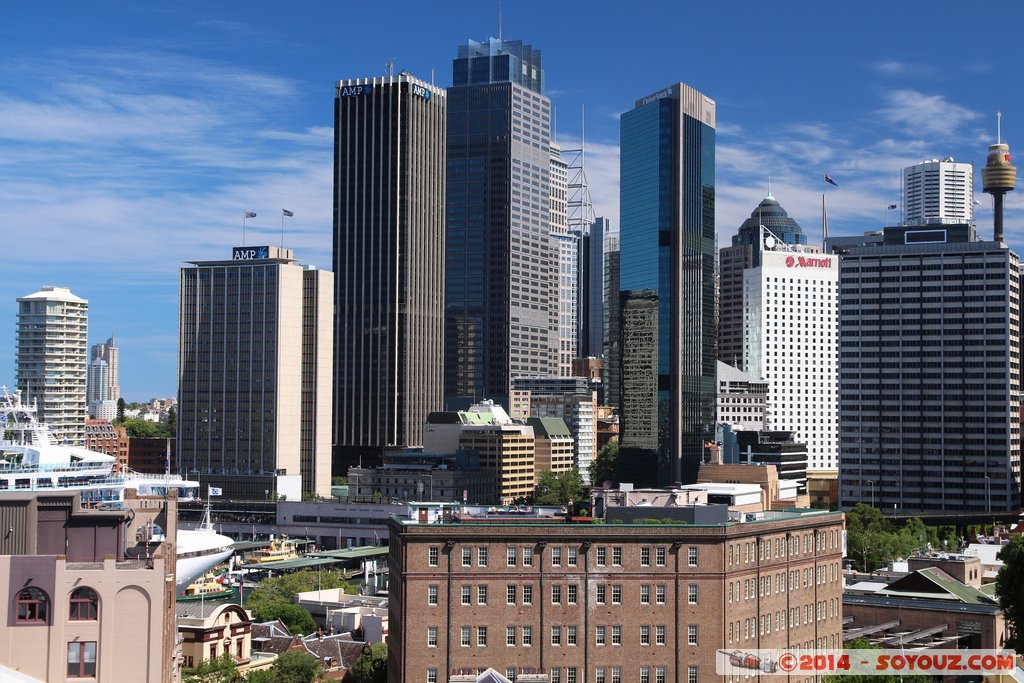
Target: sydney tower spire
[998, 177]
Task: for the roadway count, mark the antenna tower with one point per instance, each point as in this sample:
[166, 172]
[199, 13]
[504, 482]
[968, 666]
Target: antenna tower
[389, 66]
[579, 208]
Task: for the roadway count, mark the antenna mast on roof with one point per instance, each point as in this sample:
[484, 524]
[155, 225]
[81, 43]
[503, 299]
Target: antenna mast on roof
[389, 66]
[499, 21]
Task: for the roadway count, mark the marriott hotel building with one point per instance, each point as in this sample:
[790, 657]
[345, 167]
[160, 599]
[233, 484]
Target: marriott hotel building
[789, 329]
[929, 388]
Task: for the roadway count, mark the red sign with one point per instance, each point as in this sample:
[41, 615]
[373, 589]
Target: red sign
[808, 262]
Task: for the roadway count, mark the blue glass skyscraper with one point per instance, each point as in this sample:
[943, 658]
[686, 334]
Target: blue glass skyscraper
[667, 285]
[501, 278]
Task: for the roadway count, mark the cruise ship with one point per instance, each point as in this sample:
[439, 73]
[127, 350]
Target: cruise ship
[32, 460]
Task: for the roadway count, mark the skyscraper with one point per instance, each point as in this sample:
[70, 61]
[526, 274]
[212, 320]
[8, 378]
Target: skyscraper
[593, 290]
[612, 322]
[938, 191]
[567, 246]
[389, 182]
[501, 279]
[254, 382]
[667, 285]
[768, 220]
[108, 353]
[790, 302]
[929, 388]
[53, 338]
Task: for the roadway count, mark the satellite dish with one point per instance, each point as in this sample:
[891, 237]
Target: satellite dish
[769, 242]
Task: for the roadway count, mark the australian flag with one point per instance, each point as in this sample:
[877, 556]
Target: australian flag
[828, 179]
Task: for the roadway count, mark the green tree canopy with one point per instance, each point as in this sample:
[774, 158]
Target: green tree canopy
[220, 670]
[294, 666]
[372, 665]
[270, 600]
[873, 539]
[1010, 590]
[298, 620]
[605, 466]
[558, 488]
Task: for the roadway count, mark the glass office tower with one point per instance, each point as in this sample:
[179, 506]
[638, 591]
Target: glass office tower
[501, 265]
[667, 285]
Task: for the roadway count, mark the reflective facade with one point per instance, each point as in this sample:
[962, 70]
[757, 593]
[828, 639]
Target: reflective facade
[388, 255]
[667, 285]
[501, 279]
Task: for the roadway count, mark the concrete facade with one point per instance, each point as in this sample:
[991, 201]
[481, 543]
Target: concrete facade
[101, 610]
[53, 334]
[254, 336]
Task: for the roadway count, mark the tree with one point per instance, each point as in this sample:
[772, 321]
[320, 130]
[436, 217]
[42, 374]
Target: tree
[281, 589]
[297, 619]
[558, 488]
[372, 665]
[172, 420]
[339, 481]
[295, 666]
[605, 466]
[120, 410]
[1010, 589]
[220, 670]
[873, 539]
[139, 428]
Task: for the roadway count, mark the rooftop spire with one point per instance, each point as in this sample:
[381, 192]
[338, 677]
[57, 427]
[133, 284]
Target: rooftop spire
[769, 195]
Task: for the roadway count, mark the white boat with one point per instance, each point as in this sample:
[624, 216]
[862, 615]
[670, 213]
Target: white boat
[200, 549]
[31, 460]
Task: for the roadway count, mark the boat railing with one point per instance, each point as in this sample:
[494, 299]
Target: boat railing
[15, 468]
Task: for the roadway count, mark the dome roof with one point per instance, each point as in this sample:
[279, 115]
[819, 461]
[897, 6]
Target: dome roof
[770, 214]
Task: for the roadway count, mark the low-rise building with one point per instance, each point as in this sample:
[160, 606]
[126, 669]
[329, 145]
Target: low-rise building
[104, 437]
[88, 597]
[529, 591]
[209, 630]
[940, 602]
[412, 474]
[553, 445]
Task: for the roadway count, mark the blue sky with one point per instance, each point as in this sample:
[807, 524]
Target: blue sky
[133, 135]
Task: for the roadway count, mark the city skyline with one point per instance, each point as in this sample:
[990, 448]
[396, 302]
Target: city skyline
[133, 139]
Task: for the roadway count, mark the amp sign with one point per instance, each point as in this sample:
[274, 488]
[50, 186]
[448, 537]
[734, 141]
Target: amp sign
[355, 90]
[250, 253]
[421, 91]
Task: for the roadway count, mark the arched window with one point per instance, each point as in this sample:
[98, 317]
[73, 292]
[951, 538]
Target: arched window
[33, 606]
[84, 605]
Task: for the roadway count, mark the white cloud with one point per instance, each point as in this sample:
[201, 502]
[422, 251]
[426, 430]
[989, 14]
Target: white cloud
[923, 114]
[904, 69]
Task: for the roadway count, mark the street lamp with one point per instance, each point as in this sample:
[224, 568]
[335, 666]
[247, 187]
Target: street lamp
[870, 481]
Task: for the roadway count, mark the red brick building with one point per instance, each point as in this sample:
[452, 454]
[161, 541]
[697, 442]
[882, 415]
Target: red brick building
[102, 436]
[649, 603]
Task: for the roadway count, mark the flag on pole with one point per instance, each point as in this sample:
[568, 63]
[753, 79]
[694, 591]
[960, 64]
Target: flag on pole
[215, 491]
[288, 213]
[890, 207]
[830, 181]
[250, 214]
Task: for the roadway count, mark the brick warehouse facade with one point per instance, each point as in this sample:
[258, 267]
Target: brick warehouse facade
[604, 603]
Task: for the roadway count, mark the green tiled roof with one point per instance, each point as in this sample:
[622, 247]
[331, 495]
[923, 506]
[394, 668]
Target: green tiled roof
[946, 584]
[549, 426]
